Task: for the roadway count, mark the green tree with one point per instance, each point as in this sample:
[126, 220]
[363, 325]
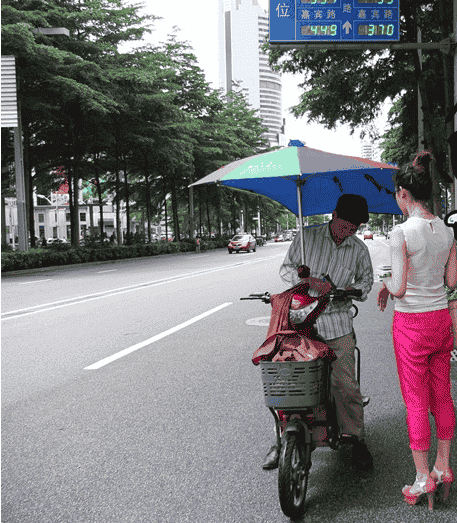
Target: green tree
[351, 86]
[61, 82]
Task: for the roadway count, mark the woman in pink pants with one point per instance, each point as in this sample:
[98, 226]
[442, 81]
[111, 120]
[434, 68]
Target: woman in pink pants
[423, 253]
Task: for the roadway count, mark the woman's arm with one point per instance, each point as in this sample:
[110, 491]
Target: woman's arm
[397, 284]
[450, 274]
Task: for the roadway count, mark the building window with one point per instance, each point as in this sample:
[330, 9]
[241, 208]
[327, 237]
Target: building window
[54, 232]
[82, 216]
[41, 229]
[68, 231]
[41, 218]
[68, 217]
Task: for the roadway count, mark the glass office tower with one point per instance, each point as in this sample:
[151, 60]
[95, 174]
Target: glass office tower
[243, 25]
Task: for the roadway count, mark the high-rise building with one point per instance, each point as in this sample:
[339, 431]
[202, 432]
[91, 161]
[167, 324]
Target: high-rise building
[243, 25]
[367, 151]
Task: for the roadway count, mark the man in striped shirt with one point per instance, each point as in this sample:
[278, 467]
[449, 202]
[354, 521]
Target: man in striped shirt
[334, 250]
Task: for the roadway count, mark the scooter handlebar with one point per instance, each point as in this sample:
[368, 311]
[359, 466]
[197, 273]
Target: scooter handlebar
[264, 296]
[336, 293]
[341, 293]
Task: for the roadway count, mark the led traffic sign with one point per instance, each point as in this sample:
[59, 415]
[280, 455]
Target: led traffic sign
[334, 20]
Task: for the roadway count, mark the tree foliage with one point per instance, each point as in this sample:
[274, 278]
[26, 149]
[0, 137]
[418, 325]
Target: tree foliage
[351, 86]
[141, 124]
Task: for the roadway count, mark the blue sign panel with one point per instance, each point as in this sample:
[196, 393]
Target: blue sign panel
[334, 20]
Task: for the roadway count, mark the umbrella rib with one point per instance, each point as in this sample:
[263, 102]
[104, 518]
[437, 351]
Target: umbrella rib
[377, 185]
[336, 180]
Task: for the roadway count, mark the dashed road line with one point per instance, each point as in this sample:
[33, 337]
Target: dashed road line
[36, 309]
[36, 281]
[158, 337]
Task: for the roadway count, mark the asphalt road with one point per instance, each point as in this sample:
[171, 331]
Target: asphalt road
[128, 395]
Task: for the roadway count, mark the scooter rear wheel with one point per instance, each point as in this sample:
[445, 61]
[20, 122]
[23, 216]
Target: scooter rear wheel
[294, 465]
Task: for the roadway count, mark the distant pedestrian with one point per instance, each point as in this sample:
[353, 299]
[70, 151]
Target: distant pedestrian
[423, 253]
[198, 244]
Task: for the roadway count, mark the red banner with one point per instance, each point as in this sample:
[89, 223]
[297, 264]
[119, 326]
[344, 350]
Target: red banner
[63, 188]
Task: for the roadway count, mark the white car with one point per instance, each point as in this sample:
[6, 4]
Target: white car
[51, 241]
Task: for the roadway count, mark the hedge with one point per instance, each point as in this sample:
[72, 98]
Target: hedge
[66, 255]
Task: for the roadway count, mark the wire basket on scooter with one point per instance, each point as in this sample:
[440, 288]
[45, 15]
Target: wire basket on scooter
[293, 384]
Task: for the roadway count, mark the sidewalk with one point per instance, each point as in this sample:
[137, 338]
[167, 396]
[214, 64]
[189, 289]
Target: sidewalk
[454, 376]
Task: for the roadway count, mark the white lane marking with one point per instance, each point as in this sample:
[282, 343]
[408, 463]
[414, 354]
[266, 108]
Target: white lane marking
[36, 281]
[120, 290]
[110, 270]
[386, 244]
[158, 337]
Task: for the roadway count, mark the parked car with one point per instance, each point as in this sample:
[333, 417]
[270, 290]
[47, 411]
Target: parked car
[288, 237]
[54, 241]
[242, 242]
[279, 238]
[367, 235]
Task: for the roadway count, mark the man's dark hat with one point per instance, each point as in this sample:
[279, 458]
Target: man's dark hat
[352, 208]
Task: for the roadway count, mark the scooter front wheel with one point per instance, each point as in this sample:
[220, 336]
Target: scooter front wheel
[294, 465]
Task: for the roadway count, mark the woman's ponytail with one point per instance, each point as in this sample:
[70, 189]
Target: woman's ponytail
[416, 176]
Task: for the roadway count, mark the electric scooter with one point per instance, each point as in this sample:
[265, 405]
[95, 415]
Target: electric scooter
[301, 391]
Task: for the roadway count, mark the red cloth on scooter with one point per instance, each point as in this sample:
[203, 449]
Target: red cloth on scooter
[283, 343]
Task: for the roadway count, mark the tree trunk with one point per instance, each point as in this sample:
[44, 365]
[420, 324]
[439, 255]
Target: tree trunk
[165, 205]
[4, 242]
[148, 195]
[429, 138]
[74, 187]
[218, 210]
[70, 200]
[118, 190]
[234, 217]
[190, 193]
[200, 209]
[207, 211]
[127, 197]
[28, 184]
[174, 206]
[75, 221]
[99, 194]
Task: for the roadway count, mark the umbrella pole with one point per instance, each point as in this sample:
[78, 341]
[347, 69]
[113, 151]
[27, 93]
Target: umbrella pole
[300, 217]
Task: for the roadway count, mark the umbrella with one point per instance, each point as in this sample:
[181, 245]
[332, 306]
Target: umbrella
[308, 181]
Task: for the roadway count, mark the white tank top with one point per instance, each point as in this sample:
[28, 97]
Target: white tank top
[428, 243]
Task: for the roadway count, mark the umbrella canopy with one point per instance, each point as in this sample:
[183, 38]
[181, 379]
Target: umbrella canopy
[323, 178]
[308, 181]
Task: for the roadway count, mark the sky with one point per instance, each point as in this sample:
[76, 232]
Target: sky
[197, 21]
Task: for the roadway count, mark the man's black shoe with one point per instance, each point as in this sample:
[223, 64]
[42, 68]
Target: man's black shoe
[361, 456]
[271, 459]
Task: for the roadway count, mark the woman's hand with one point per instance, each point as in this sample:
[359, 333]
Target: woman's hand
[383, 296]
